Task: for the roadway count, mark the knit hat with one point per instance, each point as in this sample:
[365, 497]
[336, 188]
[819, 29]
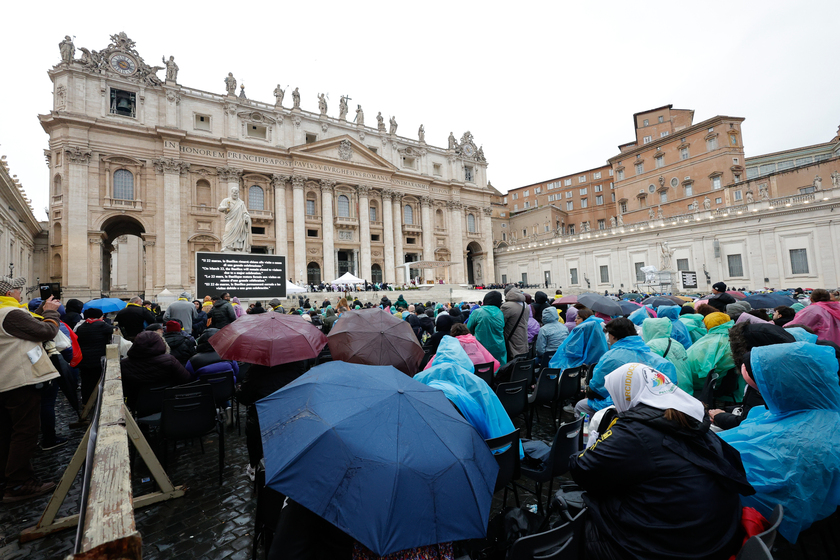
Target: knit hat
[493, 298]
[92, 313]
[719, 286]
[173, 326]
[713, 320]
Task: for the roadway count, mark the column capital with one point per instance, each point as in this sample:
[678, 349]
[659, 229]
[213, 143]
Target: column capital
[77, 155]
[229, 174]
[279, 181]
[327, 186]
[387, 194]
[426, 200]
[397, 196]
[488, 211]
[454, 205]
[298, 182]
[363, 190]
[171, 165]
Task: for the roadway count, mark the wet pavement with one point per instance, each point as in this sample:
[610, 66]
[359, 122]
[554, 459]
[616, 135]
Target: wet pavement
[209, 521]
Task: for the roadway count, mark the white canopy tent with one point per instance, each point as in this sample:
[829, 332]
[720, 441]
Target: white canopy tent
[293, 288]
[347, 278]
[422, 265]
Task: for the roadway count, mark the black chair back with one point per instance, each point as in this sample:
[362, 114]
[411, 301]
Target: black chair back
[569, 385]
[514, 396]
[768, 536]
[566, 442]
[524, 369]
[546, 389]
[590, 370]
[508, 459]
[222, 384]
[149, 401]
[485, 372]
[560, 543]
[754, 549]
[188, 412]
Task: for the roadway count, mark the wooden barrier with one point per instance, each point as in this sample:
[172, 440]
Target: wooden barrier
[109, 530]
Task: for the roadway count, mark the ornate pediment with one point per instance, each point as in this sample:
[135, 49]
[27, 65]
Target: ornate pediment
[411, 151]
[344, 148]
[256, 117]
[120, 58]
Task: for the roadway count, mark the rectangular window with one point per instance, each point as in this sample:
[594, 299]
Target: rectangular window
[640, 276]
[504, 278]
[202, 122]
[374, 237]
[739, 195]
[311, 138]
[582, 179]
[711, 144]
[611, 172]
[806, 190]
[716, 182]
[123, 103]
[515, 207]
[515, 196]
[733, 139]
[660, 161]
[689, 190]
[570, 205]
[373, 213]
[736, 267]
[623, 208]
[527, 205]
[684, 154]
[640, 168]
[526, 193]
[602, 224]
[583, 191]
[547, 228]
[469, 173]
[504, 236]
[647, 139]
[436, 169]
[567, 182]
[599, 199]
[583, 203]
[798, 261]
[771, 167]
[569, 194]
[800, 161]
[502, 214]
[718, 200]
[782, 165]
[257, 131]
[373, 149]
[525, 278]
[312, 233]
[599, 188]
[620, 174]
[538, 190]
[573, 276]
[664, 134]
[645, 122]
[551, 198]
[661, 118]
[663, 197]
[682, 264]
[613, 196]
[605, 274]
[596, 175]
[410, 240]
[310, 207]
[571, 229]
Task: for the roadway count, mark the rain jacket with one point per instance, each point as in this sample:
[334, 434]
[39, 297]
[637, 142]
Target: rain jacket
[552, 333]
[539, 305]
[477, 353]
[148, 365]
[584, 345]
[639, 315]
[792, 451]
[656, 333]
[625, 351]
[533, 326]
[711, 353]
[329, 320]
[823, 317]
[801, 335]
[514, 307]
[452, 365]
[679, 331]
[221, 314]
[488, 325]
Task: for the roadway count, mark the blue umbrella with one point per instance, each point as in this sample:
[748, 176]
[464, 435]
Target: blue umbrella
[106, 305]
[385, 458]
[769, 301]
[627, 307]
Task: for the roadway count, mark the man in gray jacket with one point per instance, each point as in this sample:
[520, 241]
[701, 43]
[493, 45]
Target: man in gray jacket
[516, 323]
[183, 310]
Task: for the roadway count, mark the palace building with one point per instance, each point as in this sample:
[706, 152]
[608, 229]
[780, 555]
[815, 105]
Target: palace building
[139, 164]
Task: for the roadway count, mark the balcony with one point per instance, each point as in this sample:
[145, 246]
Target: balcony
[412, 228]
[123, 204]
[261, 215]
[345, 221]
[203, 209]
[314, 218]
[376, 224]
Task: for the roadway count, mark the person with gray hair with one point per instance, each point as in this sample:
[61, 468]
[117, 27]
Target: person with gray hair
[183, 310]
[134, 318]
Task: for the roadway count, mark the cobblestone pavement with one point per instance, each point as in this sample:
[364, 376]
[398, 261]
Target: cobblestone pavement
[209, 521]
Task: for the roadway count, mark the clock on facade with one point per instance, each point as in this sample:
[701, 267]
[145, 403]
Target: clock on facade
[123, 64]
[468, 150]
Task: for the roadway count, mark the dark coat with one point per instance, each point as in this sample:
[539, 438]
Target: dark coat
[199, 324]
[540, 303]
[73, 312]
[133, 319]
[180, 346]
[148, 365]
[656, 490]
[93, 338]
[720, 301]
[727, 421]
[222, 314]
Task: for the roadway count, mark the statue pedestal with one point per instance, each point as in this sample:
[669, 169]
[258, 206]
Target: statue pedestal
[171, 83]
[296, 110]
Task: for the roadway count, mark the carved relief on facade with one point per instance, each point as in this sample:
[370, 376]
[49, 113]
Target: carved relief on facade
[345, 150]
[77, 155]
[229, 174]
[171, 165]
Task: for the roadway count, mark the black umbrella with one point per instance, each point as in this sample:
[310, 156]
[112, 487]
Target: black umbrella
[601, 304]
[769, 301]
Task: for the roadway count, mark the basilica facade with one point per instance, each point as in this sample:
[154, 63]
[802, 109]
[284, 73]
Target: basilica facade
[139, 163]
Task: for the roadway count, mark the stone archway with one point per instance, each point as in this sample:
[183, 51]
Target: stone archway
[474, 272]
[123, 259]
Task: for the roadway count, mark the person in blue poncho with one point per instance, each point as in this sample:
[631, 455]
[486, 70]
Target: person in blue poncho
[584, 345]
[625, 347]
[679, 331]
[791, 450]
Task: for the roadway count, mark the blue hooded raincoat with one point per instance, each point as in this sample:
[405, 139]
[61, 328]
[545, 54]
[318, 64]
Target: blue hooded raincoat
[679, 332]
[584, 345]
[791, 450]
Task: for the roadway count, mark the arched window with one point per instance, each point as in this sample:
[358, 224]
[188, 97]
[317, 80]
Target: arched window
[202, 193]
[56, 262]
[256, 198]
[471, 223]
[343, 206]
[123, 184]
[313, 273]
[57, 185]
[409, 214]
[376, 273]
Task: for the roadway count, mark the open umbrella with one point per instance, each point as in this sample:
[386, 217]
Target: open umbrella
[599, 303]
[383, 457]
[377, 338]
[633, 297]
[106, 305]
[736, 294]
[628, 307]
[656, 301]
[769, 301]
[268, 339]
[567, 300]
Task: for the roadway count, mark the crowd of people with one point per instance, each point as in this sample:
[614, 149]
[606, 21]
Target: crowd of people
[695, 409]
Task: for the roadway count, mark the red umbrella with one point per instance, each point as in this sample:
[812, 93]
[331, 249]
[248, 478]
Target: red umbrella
[377, 338]
[565, 300]
[268, 339]
[736, 295]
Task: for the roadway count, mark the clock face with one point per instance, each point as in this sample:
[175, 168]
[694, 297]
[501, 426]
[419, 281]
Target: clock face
[123, 64]
[468, 150]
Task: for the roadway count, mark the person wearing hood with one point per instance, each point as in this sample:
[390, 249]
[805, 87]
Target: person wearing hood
[487, 324]
[712, 352]
[147, 365]
[625, 347]
[516, 323]
[477, 353]
[551, 335]
[329, 319]
[73, 313]
[401, 302]
[720, 299]
[456, 314]
[533, 326]
[184, 311]
[659, 484]
[540, 303]
[427, 323]
[222, 313]
[679, 331]
[791, 450]
[443, 325]
[694, 325]
[571, 318]
[823, 316]
[735, 310]
[414, 322]
[207, 360]
[181, 345]
[584, 345]
[94, 335]
[237, 307]
[200, 321]
[657, 334]
[276, 305]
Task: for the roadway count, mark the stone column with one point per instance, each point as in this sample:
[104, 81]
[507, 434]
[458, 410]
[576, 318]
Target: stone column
[399, 256]
[76, 251]
[489, 265]
[96, 248]
[172, 169]
[299, 217]
[149, 241]
[388, 236]
[428, 235]
[364, 232]
[280, 226]
[457, 237]
[327, 227]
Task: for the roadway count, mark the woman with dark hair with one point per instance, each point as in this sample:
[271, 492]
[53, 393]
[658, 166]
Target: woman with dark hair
[443, 325]
[658, 483]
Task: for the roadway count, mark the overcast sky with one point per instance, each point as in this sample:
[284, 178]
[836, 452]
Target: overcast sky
[547, 88]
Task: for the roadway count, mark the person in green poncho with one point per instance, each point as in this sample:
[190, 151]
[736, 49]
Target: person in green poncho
[657, 335]
[487, 324]
[712, 352]
[696, 328]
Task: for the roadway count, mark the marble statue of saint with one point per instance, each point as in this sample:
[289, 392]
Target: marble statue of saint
[296, 99]
[612, 221]
[835, 179]
[360, 116]
[818, 183]
[665, 254]
[707, 204]
[342, 107]
[421, 134]
[279, 93]
[230, 84]
[750, 197]
[237, 234]
[322, 103]
[171, 69]
[694, 206]
[620, 221]
[67, 49]
[659, 213]
[393, 123]
[452, 141]
[380, 122]
[651, 215]
[763, 191]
